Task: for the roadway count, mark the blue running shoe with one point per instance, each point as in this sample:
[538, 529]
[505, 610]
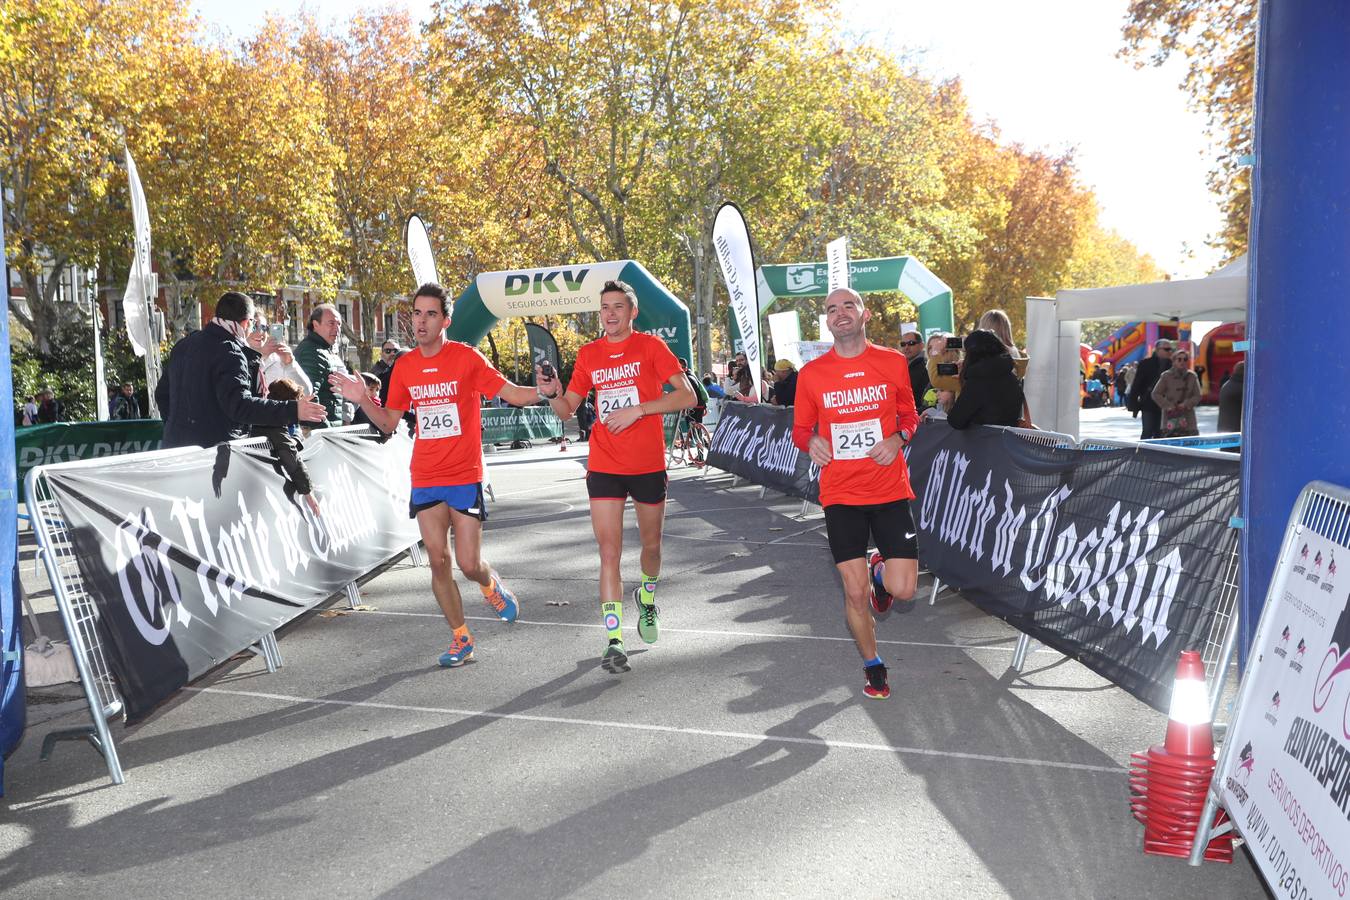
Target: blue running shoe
[502, 601]
[460, 652]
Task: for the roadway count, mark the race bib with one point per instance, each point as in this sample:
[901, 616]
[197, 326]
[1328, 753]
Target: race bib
[438, 421]
[852, 440]
[615, 399]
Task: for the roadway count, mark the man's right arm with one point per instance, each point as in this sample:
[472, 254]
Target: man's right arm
[353, 389]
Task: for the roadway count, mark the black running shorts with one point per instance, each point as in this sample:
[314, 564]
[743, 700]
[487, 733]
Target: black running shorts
[889, 526]
[649, 487]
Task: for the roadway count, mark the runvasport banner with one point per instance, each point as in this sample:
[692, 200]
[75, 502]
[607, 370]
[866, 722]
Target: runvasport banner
[1116, 558]
[192, 557]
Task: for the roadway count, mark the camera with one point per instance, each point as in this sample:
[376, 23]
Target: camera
[955, 343]
[948, 369]
[278, 332]
[546, 369]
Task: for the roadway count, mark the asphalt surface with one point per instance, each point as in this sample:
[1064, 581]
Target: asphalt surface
[738, 757]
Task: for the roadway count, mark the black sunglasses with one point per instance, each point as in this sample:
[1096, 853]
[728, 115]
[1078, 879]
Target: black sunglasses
[910, 343]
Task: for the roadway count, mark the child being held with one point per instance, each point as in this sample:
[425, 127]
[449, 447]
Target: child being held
[286, 447]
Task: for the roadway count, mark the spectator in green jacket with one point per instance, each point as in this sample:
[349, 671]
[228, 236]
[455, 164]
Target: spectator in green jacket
[318, 358]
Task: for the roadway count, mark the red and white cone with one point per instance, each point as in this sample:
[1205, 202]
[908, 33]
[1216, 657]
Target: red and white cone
[1168, 783]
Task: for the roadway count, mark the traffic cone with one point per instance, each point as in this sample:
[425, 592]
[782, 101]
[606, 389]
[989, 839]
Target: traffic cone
[1168, 783]
[1189, 730]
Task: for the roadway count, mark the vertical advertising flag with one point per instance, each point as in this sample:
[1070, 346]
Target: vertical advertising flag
[543, 348]
[139, 330]
[836, 259]
[419, 252]
[731, 240]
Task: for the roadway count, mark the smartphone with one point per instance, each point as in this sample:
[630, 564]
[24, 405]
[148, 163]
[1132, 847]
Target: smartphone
[954, 343]
[546, 369]
[278, 332]
[948, 369]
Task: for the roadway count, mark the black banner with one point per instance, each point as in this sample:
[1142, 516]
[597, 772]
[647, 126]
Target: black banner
[1115, 558]
[755, 442]
[193, 556]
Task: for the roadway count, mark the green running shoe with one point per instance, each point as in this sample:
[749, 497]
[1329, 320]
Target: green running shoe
[615, 661]
[649, 627]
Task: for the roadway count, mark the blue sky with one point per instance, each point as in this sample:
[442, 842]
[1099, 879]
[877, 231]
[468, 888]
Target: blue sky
[1045, 71]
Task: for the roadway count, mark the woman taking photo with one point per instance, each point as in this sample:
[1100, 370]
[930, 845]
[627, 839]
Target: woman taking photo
[990, 393]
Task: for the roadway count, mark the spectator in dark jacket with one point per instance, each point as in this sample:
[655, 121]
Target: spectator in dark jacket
[1230, 400]
[125, 405]
[49, 408]
[784, 383]
[911, 345]
[1141, 389]
[990, 392]
[316, 356]
[210, 388]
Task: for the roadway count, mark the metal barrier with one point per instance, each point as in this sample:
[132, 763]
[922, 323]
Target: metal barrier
[79, 612]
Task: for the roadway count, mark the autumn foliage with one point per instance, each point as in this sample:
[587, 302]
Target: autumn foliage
[526, 134]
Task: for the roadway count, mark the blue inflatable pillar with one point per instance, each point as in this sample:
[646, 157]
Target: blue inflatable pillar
[12, 709]
[1296, 418]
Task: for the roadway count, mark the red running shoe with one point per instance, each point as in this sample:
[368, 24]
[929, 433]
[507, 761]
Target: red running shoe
[876, 686]
[881, 600]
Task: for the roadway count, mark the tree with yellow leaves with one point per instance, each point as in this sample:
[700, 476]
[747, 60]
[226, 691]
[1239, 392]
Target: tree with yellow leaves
[75, 77]
[241, 195]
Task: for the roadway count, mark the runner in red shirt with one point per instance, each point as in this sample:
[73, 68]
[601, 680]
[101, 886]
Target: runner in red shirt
[442, 381]
[854, 413]
[628, 371]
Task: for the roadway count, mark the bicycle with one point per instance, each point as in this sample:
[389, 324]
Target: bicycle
[689, 442]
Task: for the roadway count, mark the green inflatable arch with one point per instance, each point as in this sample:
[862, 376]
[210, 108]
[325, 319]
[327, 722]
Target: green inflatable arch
[559, 290]
[903, 274]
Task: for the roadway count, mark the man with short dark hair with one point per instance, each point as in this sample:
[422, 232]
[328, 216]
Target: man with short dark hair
[911, 345]
[629, 372]
[442, 381]
[1146, 376]
[210, 389]
[125, 405]
[319, 359]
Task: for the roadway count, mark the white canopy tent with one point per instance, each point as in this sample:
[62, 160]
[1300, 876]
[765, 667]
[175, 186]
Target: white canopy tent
[1054, 332]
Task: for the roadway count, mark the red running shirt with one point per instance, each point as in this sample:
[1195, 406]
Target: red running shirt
[444, 390]
[854, 403]
[626, 373]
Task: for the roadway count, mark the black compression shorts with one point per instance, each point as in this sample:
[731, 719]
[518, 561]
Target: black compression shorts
[649, 487]
[889, 525]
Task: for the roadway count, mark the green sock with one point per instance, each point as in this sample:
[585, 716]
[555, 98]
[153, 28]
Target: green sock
[648, 593]
[613, 619]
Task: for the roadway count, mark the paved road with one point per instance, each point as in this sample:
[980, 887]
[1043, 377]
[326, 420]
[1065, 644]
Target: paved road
[738, 758]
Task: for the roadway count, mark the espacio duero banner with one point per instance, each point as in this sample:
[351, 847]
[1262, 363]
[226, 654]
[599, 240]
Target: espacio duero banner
[755, 442]
[191, 557]
[1116, 558]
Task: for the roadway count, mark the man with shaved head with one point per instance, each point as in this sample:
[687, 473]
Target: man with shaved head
[855, 412]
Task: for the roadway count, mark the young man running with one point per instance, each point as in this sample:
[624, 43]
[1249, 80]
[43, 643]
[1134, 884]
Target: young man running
[854, 414]
[441, 381]
[628, 371]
